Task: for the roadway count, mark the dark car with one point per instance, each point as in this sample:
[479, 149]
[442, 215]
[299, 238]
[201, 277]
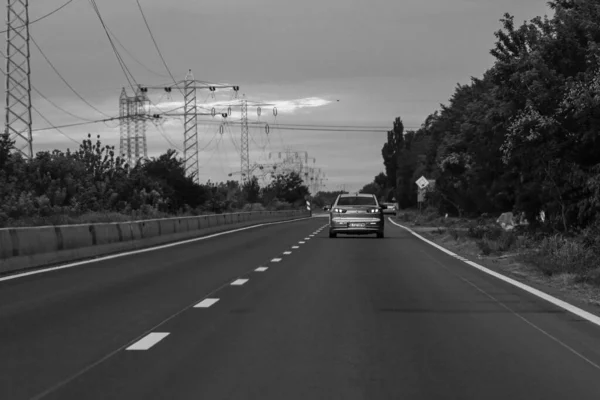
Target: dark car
[356, 214]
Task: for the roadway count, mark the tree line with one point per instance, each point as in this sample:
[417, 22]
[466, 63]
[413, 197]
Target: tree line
[93, 179]
[524, 137]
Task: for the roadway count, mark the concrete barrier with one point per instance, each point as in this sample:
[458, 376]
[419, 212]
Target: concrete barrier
[34, 247]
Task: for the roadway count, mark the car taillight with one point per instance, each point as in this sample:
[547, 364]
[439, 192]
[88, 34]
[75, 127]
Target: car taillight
[339, 210]
[374, 210]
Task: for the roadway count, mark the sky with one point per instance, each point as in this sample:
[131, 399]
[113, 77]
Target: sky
[318, 62]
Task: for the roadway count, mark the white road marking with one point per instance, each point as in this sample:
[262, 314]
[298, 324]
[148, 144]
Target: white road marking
[239, 282]
[545, 296]
[295, 247]
[261, 269]
[276, 260]
[128, 253]
[301, 242]
[148, 341]
[307, 238]
[206, 303]
[287, 253]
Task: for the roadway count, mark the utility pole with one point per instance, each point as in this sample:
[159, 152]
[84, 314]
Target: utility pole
[18, 77]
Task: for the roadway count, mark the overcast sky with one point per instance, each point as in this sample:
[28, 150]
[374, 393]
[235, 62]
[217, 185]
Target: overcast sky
[380, 58]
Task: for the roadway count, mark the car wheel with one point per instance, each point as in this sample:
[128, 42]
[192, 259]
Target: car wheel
[332, 235]
[380, 235]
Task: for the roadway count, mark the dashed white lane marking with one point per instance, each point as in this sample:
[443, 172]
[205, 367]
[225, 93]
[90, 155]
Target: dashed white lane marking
[295, 247]
[287, 253]
[551, 299]
[148, 341]
[239, 282]
[276, 260]
[301, 242]
[206, 303]
[307, 238]
[261, 269]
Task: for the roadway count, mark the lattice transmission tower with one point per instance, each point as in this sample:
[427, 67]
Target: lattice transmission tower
[189, 87]
[18, 77]
[133, 117]
[245, 150]
[190, 127]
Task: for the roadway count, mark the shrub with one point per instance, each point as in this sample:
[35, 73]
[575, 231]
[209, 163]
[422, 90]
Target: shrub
[484, 246]
[560, 254]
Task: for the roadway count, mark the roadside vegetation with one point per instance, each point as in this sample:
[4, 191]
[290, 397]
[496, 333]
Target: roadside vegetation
[93, 184]
[522, 138]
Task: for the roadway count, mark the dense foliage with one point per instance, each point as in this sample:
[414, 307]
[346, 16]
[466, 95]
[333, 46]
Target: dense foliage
[524, 136]
[94, 180]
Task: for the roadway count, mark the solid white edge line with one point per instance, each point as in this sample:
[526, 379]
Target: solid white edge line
[206, 303]
[239, 282]
[261, 269]
[133, 252]
[148, 341]
[542, 295]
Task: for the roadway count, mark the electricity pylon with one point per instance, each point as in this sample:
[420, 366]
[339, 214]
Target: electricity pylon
[18, 77]
[245, 140]
[133, 117]
[245, 150]
[188, 87]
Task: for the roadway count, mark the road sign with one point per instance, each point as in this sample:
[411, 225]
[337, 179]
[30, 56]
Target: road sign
[422, 182]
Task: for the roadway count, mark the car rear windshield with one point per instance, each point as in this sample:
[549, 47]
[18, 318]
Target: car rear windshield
[357, 201]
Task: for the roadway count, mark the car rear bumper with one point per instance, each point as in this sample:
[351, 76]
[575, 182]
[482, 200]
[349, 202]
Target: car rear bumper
[347, 225]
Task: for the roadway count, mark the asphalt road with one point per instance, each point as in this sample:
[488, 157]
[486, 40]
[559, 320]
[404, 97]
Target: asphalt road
[344, 318]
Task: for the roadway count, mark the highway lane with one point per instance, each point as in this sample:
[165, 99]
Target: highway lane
[54, 324]
[347, 318]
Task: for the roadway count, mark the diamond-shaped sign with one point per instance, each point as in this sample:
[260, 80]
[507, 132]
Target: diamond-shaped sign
[422, 182]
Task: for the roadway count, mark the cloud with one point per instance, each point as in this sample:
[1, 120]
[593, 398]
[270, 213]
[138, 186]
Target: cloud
[276, 106]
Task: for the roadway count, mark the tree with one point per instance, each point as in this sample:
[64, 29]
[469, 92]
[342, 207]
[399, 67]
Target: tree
[287, 187]
[6, 146]
[251, 190]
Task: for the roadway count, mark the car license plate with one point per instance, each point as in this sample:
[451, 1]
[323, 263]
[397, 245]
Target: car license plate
[356, 225]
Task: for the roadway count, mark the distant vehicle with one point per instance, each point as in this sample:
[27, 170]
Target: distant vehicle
[326, 208]
[391, 208]
[356, 214]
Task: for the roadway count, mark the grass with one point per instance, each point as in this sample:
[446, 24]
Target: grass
[574, 256]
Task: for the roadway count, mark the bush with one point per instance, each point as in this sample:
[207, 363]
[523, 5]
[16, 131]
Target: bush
[560, 254]
[484, 246]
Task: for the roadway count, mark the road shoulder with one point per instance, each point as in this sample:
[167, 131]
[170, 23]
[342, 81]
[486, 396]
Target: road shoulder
[583, 296]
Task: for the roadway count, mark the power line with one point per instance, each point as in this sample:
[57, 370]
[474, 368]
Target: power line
[64, 80]
[52, 126]
[48, 100]
[156, 45]
[42, 17]
[77, 124]
[59, 107]
[118, 56]
[133, 57]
